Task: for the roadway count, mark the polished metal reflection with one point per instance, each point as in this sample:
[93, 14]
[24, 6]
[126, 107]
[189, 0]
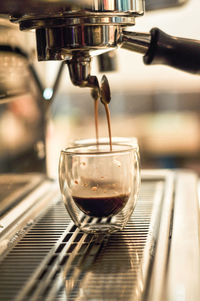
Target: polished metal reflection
[79, 70]
[21, 6]
[135, 41]
[99, 12]
[103, 281]
[60, 32]
[63, 42]
[94, 5]
[135, 6]
[63, 263]
[64, 29]
[116, 267]
[184, 273]
[93, 267]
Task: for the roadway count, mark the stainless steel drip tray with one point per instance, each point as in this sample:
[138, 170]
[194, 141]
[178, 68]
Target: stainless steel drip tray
[14, 187]
[50, 259]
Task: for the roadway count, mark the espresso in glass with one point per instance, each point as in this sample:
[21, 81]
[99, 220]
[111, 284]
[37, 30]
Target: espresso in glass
[102, 204]
[99, 183]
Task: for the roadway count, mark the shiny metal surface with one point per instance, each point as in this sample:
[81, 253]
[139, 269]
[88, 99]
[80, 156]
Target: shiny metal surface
[51, 259]
[83, 31]
[82, 8]
[64, 42]
[64, 29]
[156, 257]
[22, 213]
[76, 45]
[93, 5]
[14, 187]
[157, 284]
[135, 41]
[184, 272]
[20, 6]
[105, 90]
[62, 32]
[79, 70]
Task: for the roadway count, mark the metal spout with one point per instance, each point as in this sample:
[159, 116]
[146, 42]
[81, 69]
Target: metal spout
[79, 70]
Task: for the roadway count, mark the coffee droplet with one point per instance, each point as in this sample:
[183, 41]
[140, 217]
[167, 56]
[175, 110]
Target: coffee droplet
[83, 164]
[117, 162]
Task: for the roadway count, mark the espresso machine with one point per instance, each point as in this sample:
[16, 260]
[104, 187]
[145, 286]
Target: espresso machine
[76, 31]
[43, 255]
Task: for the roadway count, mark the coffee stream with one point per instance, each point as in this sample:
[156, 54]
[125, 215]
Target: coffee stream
[96, 105]
[96, 101]
[109, 124]
[101, 205]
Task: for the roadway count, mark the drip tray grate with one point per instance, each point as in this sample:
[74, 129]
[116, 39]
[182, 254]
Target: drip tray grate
[53, 260]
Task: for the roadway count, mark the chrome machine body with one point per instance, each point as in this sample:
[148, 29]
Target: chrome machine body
[75, 31]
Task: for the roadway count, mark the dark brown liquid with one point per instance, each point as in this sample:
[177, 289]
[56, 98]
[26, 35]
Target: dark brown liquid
[96, 102]
[101, 206]
[109, 124]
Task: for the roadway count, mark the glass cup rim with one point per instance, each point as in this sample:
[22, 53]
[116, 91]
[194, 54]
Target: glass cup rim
[72, 149]
[115, 139]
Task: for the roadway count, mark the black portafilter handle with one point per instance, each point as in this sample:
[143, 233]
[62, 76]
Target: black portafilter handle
[180, 53]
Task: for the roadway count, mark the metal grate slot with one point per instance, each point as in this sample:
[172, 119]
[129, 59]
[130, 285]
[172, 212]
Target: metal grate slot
[55, 261]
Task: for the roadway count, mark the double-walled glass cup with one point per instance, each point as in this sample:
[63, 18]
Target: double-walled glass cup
[99, 186]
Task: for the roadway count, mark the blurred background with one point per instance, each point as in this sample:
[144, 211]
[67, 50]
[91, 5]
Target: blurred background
[157, 104]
